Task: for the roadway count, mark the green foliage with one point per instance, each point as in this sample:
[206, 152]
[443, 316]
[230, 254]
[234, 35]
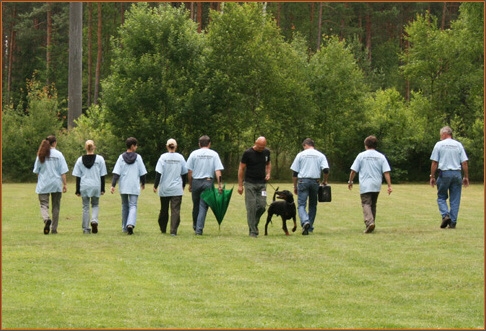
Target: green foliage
[154, 63]
[92, 125]
[338, 88]
[22, 132]
[398, 129]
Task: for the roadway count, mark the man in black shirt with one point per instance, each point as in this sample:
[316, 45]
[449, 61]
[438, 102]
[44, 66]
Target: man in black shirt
[255, 168]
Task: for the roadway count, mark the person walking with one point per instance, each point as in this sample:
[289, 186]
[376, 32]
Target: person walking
[51, 168]
[255, 168]
[202, 165]
[131, 171]
[170, 179]
[449, 158]
[90, 172]
[307, 167]
[371, 166]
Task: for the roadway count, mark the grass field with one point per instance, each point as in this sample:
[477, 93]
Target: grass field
[408, 274]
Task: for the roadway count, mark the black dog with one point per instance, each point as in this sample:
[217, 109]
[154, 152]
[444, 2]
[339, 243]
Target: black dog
[285, 209]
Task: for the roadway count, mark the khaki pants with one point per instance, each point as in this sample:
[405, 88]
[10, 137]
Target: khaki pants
[56, 205]
[368, 202]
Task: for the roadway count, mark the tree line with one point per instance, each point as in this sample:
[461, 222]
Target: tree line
[335, 72]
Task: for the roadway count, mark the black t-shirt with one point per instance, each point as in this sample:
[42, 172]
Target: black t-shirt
[255, 165]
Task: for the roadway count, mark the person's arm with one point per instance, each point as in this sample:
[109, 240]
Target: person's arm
[294, 180]
[465, 169]
[157, 180]
[143, 178]
[102, 185]
[78, 186]
[351, 178]
[241, 173]
[64, 183]
[325, 176]
[388, 181]
[220, 180]
[189, 180]
[184, 180]
[268, 170]
[114, 180]
[433, 169]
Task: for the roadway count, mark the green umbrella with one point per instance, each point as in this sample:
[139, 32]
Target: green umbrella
[218, 202]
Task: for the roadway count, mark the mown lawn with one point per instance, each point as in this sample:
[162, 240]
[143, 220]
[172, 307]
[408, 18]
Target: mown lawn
[409, 273]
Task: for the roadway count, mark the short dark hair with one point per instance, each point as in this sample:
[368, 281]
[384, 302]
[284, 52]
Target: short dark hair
[308, 141]
[131, 141]
[204, 141]
[371, 142]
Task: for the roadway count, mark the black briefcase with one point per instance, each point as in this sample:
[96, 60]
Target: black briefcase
[324, 194]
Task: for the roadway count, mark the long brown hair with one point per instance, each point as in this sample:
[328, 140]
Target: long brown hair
[45, 148]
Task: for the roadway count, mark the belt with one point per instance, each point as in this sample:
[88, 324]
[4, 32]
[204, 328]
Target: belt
[205, 178]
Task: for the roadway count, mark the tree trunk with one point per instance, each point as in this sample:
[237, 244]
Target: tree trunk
[199, 16]
[368, 30]
[90, 50]
[98, 59]
[319, 27]
[75, 83]
[48, 43]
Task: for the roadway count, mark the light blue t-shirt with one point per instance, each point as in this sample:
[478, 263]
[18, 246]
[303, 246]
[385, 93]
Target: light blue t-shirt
[90, 185]
[449, 153]
[49, 173]
[203, 162]
[130, 174]
[171, 166]
[370, 165]
[309, 163]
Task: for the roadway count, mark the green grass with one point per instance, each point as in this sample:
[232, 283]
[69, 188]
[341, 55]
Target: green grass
[409, 273]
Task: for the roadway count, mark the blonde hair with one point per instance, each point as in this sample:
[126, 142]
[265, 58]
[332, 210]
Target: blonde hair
[89, 145]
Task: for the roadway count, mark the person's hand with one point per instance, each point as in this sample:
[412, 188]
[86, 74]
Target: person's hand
[240, 190]
[350, 186]
[432, 181]
[79, 194]
[112, 190]
[143, 186]
[155, 190]
[465, 182]
[220, 189]
[64, 188]
[390, 190]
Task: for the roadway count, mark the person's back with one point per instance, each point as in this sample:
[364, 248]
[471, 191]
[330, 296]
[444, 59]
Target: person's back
[370, 165]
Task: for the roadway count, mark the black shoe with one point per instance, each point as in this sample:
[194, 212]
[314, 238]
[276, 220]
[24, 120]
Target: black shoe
[130, 229]
[370, 228]
[446, 220]
[305, 229]
[47, 227]
[94, 227]
[452, 225]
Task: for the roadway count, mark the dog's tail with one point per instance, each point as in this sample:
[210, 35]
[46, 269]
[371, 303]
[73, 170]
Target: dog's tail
[275, 193]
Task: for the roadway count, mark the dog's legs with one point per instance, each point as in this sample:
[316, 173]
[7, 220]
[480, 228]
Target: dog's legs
[269, 219]
[295, 225]
[284, 227]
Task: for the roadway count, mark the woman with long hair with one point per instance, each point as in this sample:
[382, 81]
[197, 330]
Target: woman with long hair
[51, 168]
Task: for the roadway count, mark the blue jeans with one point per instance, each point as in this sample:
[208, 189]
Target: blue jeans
[129, 210]
[449, 185]
[199, 207]
[307, 188]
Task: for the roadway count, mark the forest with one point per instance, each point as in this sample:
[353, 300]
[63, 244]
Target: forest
[333, 71]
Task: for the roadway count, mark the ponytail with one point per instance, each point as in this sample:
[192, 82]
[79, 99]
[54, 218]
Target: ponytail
[45, 148]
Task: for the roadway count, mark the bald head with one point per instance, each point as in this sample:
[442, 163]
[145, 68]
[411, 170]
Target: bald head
[260, 144]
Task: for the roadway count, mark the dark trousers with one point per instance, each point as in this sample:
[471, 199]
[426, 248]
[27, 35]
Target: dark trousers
[175, 213]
